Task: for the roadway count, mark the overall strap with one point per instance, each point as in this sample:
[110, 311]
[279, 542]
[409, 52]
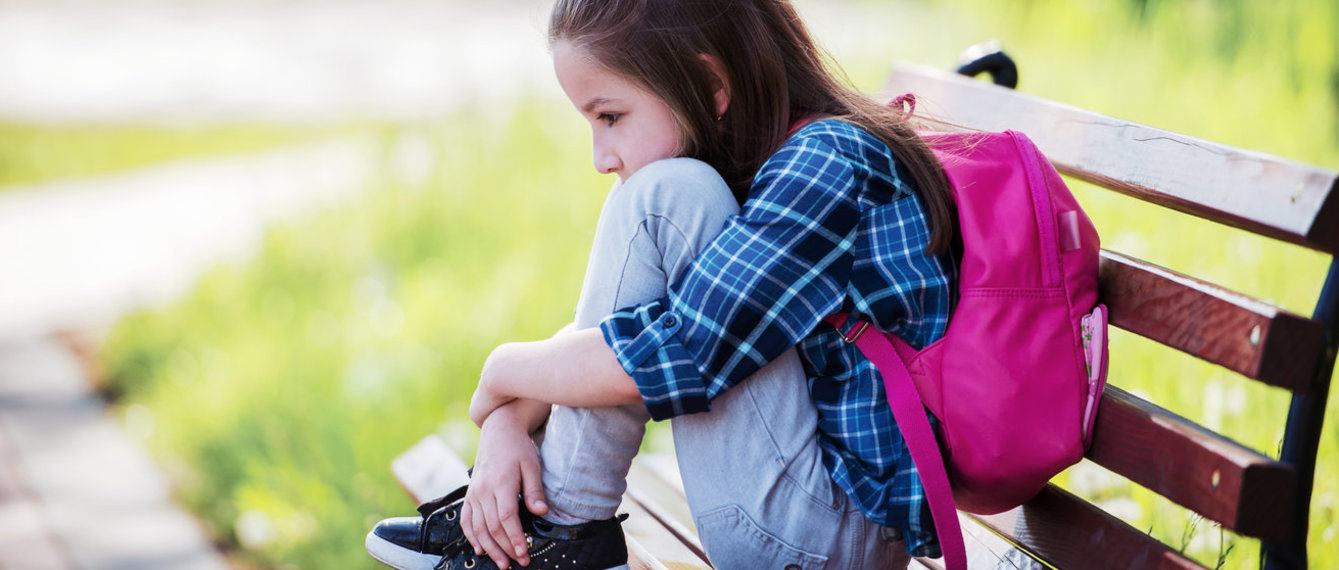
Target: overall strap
[921, 443]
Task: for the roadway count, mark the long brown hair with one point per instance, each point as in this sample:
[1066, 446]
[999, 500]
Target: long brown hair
[776, 73]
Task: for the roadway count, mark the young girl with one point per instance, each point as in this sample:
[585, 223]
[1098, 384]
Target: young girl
[696, 309]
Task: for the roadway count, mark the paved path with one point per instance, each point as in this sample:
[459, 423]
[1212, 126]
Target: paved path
[75, 491]
[82, 253]
[26, 540]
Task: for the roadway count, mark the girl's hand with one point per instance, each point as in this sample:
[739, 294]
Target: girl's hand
[506, 464]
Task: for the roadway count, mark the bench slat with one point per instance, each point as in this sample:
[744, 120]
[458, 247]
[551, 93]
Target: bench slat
[1226, 482]
[659, 549]
[1068, 532]
[429, 469]
[1267, 195]
[654, 478]
[641, 559]
[1251, 337]
[650, 486]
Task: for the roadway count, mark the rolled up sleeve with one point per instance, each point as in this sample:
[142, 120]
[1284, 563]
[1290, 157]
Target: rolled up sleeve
[760, 287]
[643, 339]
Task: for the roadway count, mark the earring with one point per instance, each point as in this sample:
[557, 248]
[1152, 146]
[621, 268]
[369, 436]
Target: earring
[720, 117]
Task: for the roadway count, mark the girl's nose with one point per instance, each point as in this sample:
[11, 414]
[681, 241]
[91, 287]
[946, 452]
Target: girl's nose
[606, 164]
[606, 161]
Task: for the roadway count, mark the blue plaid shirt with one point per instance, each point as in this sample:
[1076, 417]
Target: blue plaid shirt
[831, 225]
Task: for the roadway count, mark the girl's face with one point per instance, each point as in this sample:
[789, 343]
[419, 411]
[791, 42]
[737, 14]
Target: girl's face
[632, 128]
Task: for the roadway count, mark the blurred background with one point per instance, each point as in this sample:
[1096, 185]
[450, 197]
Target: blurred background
[252, 250]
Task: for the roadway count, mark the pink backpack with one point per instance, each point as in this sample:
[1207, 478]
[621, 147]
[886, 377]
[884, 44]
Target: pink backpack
[1016, 378]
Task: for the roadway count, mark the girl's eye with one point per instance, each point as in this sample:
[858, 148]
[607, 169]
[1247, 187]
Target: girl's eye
[609, 118]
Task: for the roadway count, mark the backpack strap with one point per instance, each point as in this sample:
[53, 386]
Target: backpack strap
[921, 443]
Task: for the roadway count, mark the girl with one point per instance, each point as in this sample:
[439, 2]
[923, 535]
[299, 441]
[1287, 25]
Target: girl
[696, 309]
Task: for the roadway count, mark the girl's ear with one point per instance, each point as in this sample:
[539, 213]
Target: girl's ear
[720, 83]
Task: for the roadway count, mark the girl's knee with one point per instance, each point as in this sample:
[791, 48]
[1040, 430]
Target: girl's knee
[678, 188]
[661, 218]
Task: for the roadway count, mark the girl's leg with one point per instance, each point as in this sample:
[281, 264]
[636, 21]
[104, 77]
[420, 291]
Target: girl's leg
[752, 468]
[650, 230]
[757, 487]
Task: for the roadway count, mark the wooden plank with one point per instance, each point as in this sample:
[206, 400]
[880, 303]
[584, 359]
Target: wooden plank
[926, 564]
[1239, 488]
[987, 547]
[429, 469]
[1251, 337]
[650, 489]
[656, 475]
[1069, 532]
[1005, 525]
[1267, 195]
[1060, 532]
[641, 559]
[648, 531]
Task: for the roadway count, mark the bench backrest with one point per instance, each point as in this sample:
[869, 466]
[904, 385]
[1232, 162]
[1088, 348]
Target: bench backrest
[1245, 491]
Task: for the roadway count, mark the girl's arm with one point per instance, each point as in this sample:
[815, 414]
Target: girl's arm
[519, 383]
[530, 411]
[507, 464]
[770, 277]
[765, 282]
[529, 415]
[575, 369]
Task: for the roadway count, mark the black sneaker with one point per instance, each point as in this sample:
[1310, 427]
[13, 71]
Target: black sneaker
[419, 542]
[435, 541]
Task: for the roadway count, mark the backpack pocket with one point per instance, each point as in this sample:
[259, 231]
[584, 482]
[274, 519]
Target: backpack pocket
[1094, 334]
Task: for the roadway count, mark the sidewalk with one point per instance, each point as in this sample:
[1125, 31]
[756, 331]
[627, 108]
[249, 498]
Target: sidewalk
[79, 254]
[75, 491]
[26, 540]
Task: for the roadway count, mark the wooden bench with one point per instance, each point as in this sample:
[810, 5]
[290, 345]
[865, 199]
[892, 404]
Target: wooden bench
[1245, 491]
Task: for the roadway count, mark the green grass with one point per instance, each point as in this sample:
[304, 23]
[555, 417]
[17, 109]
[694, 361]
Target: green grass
[278, 392]
[32, 154]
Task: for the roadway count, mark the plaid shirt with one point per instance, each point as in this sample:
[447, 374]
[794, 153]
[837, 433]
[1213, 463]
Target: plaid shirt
[831, 225]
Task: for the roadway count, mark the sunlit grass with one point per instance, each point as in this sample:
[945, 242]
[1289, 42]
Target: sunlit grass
[31, 154]
[280, 390]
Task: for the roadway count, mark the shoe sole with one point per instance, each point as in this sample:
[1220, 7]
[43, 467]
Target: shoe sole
[396, 556]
